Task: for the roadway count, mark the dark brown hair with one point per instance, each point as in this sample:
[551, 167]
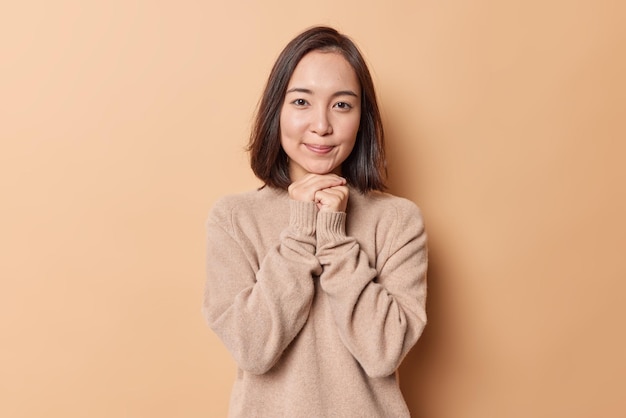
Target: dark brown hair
[364, 168]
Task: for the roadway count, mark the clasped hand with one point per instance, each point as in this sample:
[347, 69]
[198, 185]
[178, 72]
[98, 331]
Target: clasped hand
[328, 191]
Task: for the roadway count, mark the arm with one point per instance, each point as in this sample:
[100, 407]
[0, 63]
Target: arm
[257, 314]
[381, 315]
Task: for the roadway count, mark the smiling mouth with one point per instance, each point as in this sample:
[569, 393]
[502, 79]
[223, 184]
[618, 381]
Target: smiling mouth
[319, 149]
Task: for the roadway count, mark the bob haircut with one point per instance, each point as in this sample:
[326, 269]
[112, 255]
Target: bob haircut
[365, 167]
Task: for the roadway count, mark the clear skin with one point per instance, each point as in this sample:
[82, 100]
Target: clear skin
[319, 122]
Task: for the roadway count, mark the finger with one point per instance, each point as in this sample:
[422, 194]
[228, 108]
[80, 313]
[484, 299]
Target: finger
[341, 192]
[305, 188]
[322, 181]
[335, 198]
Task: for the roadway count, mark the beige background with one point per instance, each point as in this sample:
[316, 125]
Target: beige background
[121, 122]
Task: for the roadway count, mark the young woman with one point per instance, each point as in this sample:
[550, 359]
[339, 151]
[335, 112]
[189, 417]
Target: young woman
[316, 282]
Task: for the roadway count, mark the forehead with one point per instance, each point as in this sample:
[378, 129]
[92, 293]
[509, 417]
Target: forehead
[324, 69]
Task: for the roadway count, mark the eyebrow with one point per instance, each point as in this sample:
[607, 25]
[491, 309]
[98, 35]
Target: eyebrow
[335, 94]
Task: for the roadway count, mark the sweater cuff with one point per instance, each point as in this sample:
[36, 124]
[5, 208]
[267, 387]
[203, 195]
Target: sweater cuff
[331, 226]
[302, 217]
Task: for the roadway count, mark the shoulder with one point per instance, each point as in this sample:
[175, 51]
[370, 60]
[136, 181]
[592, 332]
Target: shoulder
[228, 203]
[385, 204]
[250, 204]
[392, 221]
[390, 218]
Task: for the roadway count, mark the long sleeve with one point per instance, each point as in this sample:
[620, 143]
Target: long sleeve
[257, 305]
[379, 312]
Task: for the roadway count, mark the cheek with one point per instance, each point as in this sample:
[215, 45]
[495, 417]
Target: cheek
[289, 124]
[351, 127]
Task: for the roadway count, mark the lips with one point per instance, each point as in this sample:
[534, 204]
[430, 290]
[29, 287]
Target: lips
[319, 149]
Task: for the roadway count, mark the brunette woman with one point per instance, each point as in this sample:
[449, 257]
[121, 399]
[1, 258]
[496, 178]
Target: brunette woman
[316, 282]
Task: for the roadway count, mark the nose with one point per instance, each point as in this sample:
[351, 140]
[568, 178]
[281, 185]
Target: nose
[320, 123]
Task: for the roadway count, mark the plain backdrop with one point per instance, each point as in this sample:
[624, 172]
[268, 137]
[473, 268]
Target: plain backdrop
[121, 122]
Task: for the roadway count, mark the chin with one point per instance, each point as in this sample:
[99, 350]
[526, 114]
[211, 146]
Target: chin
[323, 171]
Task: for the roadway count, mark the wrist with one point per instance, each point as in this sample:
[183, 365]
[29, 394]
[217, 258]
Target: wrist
[330, 226]
[302, 216]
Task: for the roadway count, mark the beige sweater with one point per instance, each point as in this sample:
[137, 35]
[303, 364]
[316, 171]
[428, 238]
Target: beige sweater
[318, 309]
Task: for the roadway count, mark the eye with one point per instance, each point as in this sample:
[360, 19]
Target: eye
[300, 102]
[343, 105]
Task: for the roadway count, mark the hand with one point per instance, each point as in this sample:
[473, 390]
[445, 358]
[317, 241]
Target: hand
[328, 191]
[332, 199]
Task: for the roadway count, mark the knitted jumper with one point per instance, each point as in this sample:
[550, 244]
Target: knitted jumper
[318, 309]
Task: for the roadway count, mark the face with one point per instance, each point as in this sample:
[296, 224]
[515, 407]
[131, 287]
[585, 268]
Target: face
[321, 113]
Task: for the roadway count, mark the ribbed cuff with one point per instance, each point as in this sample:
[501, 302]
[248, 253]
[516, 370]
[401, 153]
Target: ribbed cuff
[331, 226]
[302, 216]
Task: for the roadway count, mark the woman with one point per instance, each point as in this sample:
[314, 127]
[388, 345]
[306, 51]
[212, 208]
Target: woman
[316, 283]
